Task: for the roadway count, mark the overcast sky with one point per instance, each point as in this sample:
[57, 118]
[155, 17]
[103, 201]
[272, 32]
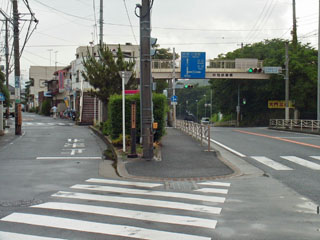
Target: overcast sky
[210, 26]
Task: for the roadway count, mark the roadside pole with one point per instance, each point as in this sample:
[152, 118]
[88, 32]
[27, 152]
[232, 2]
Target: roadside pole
[174, 87]
[318, 98]
[18, 121]
[287, 116]
[1, 118]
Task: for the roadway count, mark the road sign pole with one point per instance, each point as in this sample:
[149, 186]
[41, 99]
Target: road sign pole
[174, 86]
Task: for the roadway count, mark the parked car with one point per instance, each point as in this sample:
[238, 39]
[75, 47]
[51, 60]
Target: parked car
[205, 120]
[189, 117]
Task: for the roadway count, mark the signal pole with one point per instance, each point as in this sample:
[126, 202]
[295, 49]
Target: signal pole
[18, 117]
[145, 81]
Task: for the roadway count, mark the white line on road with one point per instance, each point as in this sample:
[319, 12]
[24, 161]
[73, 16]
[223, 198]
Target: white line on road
[100, 228]
[271, 163]
[136, 184]
[148, 192]
[316, 157]
[132, 214]
[69, 158]
[212, 190]
[139, 201]
[227, 148]
[221, 184]
[18, 236]
[302, 162]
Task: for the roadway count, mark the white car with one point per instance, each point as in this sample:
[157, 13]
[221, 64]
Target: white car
[205, 120]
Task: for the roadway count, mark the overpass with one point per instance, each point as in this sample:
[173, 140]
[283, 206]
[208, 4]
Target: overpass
[215, 69]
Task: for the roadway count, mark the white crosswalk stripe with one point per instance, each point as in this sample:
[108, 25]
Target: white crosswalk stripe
[140, 207]
[293, 159]
[271, 163]
[40, 124]
[302, 162]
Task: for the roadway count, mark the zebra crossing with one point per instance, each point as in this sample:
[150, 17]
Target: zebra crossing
[46, 124]
[309, 162]
[125, 209]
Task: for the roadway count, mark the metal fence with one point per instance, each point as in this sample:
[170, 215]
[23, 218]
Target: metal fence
[198, 131]
[298, 124]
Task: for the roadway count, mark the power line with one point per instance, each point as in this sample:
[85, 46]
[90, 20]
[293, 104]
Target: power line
[134, 36]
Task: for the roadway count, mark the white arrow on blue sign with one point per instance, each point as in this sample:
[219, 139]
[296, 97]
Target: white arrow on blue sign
[174, 98]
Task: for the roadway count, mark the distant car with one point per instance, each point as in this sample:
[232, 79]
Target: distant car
[189, 118]
[205, 120]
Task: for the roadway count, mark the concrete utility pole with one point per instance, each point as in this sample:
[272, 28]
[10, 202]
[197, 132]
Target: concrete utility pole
[18, 119]
[318, 99]
[145, 81]
[101, 23]
[174, 86]
[7, 64]
[294, 30]
[287, 116]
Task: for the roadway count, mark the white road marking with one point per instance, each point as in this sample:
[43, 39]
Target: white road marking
[271, 163]
[316, 157]
[100, 228]
[139, 201]
[136, 184]
[18, 236]
[132, 214]
[302, 162]
[212, 190]
[221, 184]
[69, 158]
[148, 192]
[227, 148]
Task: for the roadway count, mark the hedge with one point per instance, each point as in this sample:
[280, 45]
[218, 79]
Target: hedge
[113, 127]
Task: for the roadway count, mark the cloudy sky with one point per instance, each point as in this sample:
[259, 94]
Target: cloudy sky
[210, 26]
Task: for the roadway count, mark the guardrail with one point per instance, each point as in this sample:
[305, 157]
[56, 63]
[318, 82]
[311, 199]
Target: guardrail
[198, 131]
[298, 124]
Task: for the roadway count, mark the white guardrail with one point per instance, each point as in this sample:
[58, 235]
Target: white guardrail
[198, 131]
[303, 125]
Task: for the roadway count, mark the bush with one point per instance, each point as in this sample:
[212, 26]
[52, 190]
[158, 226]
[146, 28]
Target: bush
[46, 107]
[113, 127]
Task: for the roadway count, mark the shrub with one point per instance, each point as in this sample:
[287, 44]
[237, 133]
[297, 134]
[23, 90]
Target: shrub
[113, 127]
[46, 107]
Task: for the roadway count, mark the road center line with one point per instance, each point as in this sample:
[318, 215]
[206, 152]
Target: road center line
[279, 138]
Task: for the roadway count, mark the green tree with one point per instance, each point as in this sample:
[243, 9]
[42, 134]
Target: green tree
[4, 89]
[303, 76]
[103, 73]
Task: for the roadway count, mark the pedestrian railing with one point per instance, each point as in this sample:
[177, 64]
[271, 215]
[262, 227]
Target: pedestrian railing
[297, 124]
[198, 131]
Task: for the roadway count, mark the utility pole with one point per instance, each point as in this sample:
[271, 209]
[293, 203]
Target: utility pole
[318, 102]
[7, 63]
[101, 23]
[294, 30]
[174, 87]
[287, 82]
[145, 81]
[18, 118]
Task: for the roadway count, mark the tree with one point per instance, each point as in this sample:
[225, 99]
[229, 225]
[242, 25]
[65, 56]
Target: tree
[4, 89]
[303, 75]
[103, 73]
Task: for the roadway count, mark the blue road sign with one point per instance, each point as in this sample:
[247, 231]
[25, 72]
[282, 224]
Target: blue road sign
[174, 98]
[193, 65]
[2, 98]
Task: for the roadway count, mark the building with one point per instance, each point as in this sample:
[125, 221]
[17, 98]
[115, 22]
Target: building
[39, 75]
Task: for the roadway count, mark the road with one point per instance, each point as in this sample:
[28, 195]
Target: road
[50, 189]
[292, 158]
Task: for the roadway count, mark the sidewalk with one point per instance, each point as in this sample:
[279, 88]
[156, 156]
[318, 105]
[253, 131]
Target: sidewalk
[182, 157]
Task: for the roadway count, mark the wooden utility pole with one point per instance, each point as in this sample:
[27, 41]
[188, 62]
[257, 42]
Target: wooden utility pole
[145, 81]
[18, 119]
